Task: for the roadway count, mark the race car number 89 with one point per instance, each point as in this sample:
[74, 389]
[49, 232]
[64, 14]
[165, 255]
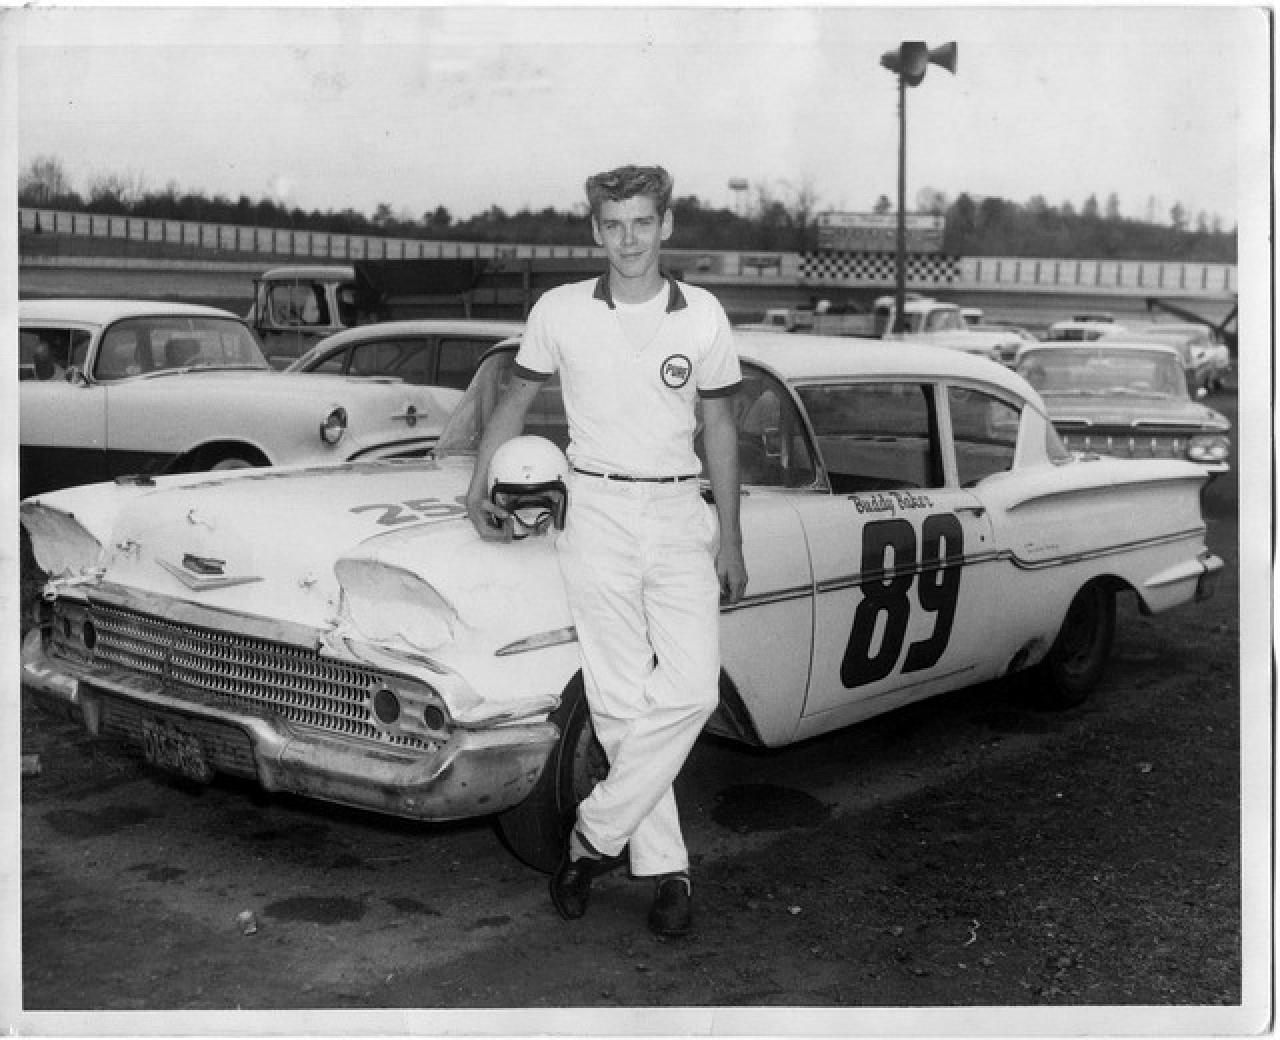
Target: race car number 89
[938, 590]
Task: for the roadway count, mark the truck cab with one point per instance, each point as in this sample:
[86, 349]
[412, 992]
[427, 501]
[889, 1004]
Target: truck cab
[296, 307]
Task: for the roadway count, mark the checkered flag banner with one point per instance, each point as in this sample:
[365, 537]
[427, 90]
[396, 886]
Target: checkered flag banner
[923, 269]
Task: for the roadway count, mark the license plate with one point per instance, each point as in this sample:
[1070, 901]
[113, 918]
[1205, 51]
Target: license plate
[170, 748]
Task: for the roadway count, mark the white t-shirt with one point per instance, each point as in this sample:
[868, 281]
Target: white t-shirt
[630, 383]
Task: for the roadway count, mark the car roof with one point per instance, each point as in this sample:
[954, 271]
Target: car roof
[803, 358]
[102, 312]
[1080, 323]
[311, 271]
[1094, 345]
[421, 327]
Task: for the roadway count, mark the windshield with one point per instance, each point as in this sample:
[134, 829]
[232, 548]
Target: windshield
[1107, 372]
[140, 345]
[466, 426]
[944, 319]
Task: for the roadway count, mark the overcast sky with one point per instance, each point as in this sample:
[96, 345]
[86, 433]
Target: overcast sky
[468, 107]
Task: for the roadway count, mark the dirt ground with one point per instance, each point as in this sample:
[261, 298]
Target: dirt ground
[1086, 859]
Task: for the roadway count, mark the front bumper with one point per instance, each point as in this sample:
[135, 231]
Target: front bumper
[473, 773]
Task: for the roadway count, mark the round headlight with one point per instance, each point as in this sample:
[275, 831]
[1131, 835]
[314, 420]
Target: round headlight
[334, 426]
[386, 706]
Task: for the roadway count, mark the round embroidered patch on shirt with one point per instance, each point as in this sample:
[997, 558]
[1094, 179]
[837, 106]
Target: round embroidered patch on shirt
[676, 371]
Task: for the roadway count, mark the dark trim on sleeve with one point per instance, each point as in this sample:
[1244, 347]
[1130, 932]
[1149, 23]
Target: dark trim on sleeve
[721, 391]
[530, 374]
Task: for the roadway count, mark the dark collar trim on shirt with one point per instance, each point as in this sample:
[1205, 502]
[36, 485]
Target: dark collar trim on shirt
[675, 298]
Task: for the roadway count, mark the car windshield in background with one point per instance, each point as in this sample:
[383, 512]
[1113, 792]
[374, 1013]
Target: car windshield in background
[1089, 372]
[137, 346]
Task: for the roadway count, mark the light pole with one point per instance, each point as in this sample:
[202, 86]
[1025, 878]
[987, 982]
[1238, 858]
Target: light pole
[909, 63]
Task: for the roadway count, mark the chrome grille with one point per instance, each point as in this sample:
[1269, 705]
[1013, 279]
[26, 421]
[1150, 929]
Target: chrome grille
[213, 667]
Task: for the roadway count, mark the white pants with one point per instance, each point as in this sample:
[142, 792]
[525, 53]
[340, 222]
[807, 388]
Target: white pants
[638, 561]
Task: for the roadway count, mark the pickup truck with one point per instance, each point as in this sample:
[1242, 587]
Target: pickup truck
[294, 307]
[928, 321]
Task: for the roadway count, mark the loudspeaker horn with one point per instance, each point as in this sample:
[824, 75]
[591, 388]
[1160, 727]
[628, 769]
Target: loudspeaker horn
[945, 56]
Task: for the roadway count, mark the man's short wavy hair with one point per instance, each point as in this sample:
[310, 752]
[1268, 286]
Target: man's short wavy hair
[628, 182]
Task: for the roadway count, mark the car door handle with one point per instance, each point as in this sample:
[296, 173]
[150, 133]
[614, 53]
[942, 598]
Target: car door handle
[975, 510]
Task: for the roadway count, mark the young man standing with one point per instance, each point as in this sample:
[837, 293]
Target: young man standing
[645, 560]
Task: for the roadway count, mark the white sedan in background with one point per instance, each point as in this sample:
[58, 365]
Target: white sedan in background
[115, 388]
[912, 525]
[426, 351]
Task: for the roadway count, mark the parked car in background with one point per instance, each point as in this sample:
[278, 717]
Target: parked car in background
[430, 352]
[146, 387]
[992, 325]
[1112, 397]
[296, 306]
[1220, 365]
[912, 524]
[1194, 344]
[1074, 330]
[1014, 339]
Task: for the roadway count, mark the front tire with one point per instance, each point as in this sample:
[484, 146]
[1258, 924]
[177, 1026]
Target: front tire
[537, 829]
[1075, 663]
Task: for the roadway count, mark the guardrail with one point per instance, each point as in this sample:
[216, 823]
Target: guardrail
[810, 270]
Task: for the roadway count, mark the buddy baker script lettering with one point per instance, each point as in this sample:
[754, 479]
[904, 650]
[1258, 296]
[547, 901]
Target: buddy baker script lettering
[890, 502]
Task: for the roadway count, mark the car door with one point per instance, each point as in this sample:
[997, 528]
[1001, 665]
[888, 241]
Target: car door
[767, 638]
[62, 421]
[897, 551]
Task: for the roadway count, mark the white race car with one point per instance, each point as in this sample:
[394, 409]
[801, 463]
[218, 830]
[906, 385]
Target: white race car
[119, 387]
[912, 525]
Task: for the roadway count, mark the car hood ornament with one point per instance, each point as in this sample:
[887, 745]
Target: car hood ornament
[205, 572]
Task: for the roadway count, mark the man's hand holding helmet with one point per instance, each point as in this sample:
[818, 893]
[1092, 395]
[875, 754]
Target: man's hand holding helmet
[527, 491]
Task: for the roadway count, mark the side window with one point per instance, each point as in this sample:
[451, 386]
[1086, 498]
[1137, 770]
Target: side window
[985, 429]
[876, 436]
[458, 361]
[379, 358]
[347, 305]
[334, 364]
[773, 448]
[118, 354]
[46, 353]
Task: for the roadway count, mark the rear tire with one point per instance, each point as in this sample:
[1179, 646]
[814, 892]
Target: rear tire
[537, 829]
[1076, 661]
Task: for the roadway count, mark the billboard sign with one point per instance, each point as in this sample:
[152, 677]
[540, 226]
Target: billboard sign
[878, 232]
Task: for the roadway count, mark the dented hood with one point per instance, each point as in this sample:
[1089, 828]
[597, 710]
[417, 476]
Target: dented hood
[274, 543]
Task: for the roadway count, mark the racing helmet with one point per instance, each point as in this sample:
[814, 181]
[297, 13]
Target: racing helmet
[529, 478]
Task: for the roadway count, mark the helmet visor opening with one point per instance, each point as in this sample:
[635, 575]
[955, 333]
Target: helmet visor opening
[532, 511]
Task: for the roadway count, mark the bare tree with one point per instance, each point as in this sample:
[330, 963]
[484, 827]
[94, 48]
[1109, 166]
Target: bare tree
[124, 190]
[43, 180]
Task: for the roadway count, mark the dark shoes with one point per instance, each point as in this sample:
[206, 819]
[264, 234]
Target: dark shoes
[672, 910]
[571, 886]
[571, 883]
[670, 915]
